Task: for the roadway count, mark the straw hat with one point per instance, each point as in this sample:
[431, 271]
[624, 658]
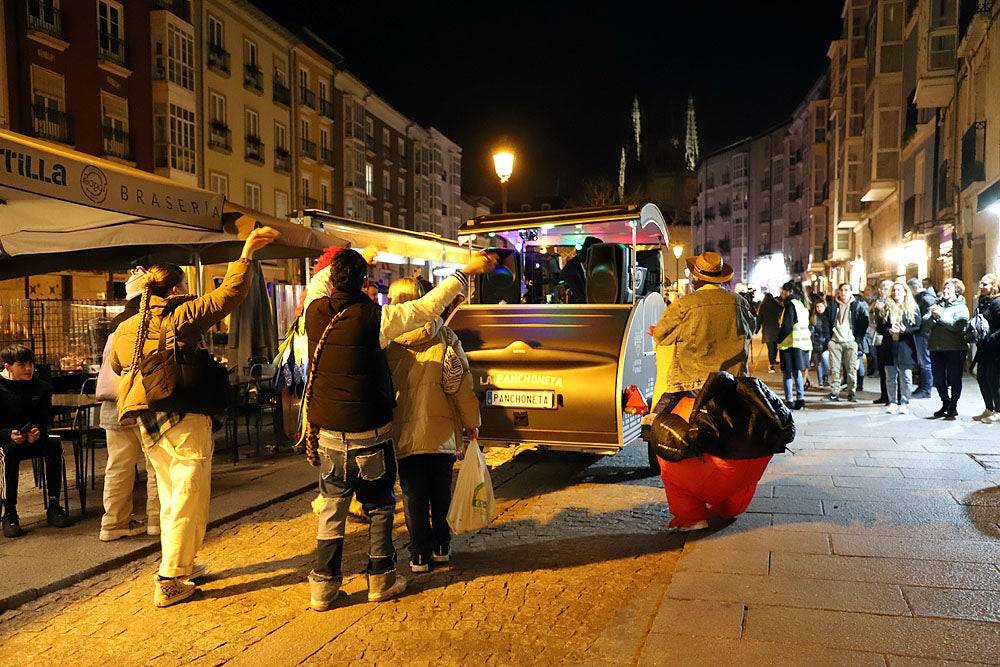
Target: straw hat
[709, 267]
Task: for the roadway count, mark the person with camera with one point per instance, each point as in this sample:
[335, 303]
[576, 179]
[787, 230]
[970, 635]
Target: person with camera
[25, 415]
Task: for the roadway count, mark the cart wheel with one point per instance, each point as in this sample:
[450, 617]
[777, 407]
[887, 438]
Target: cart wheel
[654, 461]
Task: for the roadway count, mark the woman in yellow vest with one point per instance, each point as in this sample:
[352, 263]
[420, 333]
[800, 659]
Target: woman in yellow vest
[795, 343]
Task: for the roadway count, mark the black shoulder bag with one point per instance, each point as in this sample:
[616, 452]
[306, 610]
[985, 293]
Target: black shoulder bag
[180, 380]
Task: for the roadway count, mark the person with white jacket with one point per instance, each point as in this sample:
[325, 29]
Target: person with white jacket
[427, 426]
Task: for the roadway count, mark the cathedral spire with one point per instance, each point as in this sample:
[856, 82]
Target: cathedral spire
[637, 127]
[691, 155]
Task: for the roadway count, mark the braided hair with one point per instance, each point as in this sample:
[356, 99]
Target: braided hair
[159, 280]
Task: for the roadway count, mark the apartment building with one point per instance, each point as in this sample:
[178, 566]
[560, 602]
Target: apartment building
[720, 219]
[246, 106]
[808, 200]
[314, 127]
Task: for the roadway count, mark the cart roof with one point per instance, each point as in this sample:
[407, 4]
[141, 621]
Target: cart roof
[571, 226]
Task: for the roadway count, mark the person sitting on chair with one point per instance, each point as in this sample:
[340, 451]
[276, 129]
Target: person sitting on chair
[25, 415]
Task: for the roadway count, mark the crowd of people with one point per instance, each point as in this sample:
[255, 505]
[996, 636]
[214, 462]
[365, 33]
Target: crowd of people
[912, 337]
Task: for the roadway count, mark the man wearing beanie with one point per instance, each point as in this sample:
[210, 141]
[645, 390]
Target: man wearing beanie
[124, 446]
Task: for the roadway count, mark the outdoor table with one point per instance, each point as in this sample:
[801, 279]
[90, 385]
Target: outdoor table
[80, 432]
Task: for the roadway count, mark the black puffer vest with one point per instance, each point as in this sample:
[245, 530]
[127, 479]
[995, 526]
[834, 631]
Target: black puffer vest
[352, 387]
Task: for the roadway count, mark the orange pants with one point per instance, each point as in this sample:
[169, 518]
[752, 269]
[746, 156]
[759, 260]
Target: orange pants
[696, 490]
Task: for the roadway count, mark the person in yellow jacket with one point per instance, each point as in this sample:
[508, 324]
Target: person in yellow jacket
[795, 343]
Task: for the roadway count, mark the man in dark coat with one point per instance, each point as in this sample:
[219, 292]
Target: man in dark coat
[574, 274]
[768, 313]
[925, 298]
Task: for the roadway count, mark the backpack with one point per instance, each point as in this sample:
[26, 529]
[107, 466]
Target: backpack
[977, 328]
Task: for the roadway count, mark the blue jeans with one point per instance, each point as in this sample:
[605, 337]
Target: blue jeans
[923, 362]
[367, 469]
[426, 483]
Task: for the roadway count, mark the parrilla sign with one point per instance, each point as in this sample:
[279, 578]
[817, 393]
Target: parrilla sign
[79, 178]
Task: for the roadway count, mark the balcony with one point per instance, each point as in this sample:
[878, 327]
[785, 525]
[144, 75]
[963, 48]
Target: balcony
[218, 59]
[253, 78]
[282, 93]
[44, 18]
[974, 154]
[51, 124]
[973, 16]
[307, 97]
[326, 156]
[254, 149]
[309, 149]
[326, 108]
[220, 137]
[282, 160]
[117, 143]
[111, 49]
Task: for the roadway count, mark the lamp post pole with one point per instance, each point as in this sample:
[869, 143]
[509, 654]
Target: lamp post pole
[503, 162]
[678, 251]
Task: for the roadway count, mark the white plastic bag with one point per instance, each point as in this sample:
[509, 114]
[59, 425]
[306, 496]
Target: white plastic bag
[472, 504]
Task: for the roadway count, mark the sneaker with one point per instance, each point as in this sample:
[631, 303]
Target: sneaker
[418, 563]
[992, 419]
[984, 415]
[951, 414]
[198, 570]
[12, 525]
[921, 394]
[770, 369]
[833, 396]
[699, 525]
[892, 409]
[134, 527]
[940, 413]
[323, 591]
[852, 397]
[881, 401]
[440, 555]
[57, 516]
[171, 591]
[904, 409]
[385, 586]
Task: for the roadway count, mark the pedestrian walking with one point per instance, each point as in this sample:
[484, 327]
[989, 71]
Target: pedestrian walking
[124, 441]
[348, 410]
[899, 321]
[795, 343]
[435, 402]
[768, 313]
[946, 342]
[987, 359]
[925, 298]
[25, 417]
[180, 446]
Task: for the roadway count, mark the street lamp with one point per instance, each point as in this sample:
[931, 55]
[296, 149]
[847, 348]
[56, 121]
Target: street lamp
[503, 162]
[678, 251]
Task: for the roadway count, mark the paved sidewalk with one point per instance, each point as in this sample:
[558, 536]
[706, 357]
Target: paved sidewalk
[48, 559]
[874, 541]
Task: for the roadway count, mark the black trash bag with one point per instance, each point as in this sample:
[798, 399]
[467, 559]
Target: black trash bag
[739, 418]
[667, 436]
[712, 415]
[771, 422]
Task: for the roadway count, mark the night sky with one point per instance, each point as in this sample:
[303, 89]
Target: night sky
[557, 79]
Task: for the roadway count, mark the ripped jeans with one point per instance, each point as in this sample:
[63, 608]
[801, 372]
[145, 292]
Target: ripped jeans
[365, 468]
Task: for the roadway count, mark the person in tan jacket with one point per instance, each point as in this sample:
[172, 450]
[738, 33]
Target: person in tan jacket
[427, 427]
[178, 445]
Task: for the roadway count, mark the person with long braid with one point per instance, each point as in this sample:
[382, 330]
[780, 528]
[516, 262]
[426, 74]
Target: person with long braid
[348, 403]
[180, 446]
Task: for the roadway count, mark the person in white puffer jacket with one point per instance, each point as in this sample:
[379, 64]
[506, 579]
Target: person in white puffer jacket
[427, 427]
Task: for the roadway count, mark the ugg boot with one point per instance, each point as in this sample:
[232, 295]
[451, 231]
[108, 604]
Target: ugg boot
[385, 585]
[322, 591]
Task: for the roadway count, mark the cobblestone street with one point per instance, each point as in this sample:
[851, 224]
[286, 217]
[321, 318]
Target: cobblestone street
[537, 587]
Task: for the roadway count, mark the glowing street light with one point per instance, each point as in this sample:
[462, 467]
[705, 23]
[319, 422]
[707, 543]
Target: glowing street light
[503, 162]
